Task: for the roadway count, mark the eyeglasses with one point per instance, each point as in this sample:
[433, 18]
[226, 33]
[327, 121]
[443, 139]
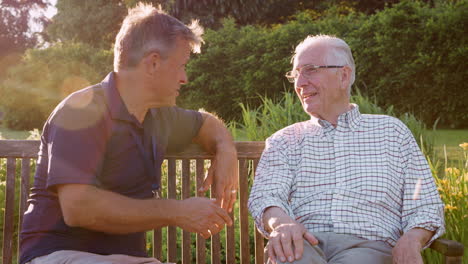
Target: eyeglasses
[307, 71]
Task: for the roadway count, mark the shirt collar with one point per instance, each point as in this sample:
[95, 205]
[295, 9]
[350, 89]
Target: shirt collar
[114, 101]
[349, 119]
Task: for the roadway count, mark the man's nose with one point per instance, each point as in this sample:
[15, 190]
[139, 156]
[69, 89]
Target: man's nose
[183, 80]
[301, 81]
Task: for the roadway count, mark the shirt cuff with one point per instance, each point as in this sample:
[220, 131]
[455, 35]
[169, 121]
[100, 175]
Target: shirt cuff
[436, 225]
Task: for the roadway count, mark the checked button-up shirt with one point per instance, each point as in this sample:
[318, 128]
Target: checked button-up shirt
[365, 177]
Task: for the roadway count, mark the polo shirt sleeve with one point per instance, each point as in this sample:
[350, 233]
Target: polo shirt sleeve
[75, 139]
[184, 126]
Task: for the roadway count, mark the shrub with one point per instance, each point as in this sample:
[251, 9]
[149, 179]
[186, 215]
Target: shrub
[411, 56]
[239, 63]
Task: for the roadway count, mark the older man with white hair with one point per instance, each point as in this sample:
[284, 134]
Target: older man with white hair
[342, 187]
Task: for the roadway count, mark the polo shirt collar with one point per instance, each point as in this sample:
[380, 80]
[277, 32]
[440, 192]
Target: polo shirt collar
[114, 101]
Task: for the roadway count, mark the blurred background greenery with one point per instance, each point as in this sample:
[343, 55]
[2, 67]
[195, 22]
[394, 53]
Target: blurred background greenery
[409, 54]
[410, 58]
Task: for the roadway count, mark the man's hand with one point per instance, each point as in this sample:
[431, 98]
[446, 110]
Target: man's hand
[222, 175]
[286, 240]
[203, 216]
[408, 248]
[214, 137]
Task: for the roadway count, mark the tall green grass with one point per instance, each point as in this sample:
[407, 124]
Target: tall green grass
[259, 123]
[451, 177]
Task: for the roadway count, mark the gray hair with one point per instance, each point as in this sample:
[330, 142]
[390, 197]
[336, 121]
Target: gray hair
[338, 52]
[148, 29]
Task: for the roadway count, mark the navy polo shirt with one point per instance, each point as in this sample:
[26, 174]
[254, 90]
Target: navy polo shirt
[91, 138]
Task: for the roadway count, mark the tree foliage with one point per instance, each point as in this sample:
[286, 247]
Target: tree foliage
[45, 77]
[94, 22]
[254, 12]
[15, 33]
[409, 55]
[238, 64]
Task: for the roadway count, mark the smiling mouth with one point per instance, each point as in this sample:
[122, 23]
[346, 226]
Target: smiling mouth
[309, 95]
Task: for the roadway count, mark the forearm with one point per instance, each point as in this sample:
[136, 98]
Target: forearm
[419, 235]
[100, 210]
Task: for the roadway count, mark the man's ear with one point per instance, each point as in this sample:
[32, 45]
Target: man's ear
[345, 76]
[151, 63]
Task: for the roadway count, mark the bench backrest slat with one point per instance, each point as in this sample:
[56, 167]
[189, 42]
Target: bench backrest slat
[8, 227]
[244, 214]
[200, 242]
[186, 252]
[24, 191]
[171, 194]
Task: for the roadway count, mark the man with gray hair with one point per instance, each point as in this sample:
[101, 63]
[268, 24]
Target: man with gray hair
[98, 177]
[342, 187]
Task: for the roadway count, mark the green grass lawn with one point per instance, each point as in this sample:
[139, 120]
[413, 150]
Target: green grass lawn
[451, 139]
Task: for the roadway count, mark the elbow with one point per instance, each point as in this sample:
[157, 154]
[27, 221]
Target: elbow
[71, 220]
[77, 205]
[75, 217]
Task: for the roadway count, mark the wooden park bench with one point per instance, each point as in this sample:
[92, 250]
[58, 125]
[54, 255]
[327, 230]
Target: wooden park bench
[232, 245]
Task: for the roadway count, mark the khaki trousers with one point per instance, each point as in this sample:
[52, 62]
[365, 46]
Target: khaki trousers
[342, 249]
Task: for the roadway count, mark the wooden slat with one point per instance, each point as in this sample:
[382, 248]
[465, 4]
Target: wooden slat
[186, 251]
[259, 240]
[215, 249]
[245, 149]
[215, 239]
[231, 242]
[448, 247]
[453, 260]
[201, 252]
[24, 192]
[8, 226]
[19, 148]
[171, 194]
[157, 243]
[244, 214]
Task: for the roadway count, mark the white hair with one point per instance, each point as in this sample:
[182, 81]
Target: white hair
[338, 52]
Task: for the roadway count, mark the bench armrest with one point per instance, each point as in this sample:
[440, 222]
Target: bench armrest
[448, 247]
